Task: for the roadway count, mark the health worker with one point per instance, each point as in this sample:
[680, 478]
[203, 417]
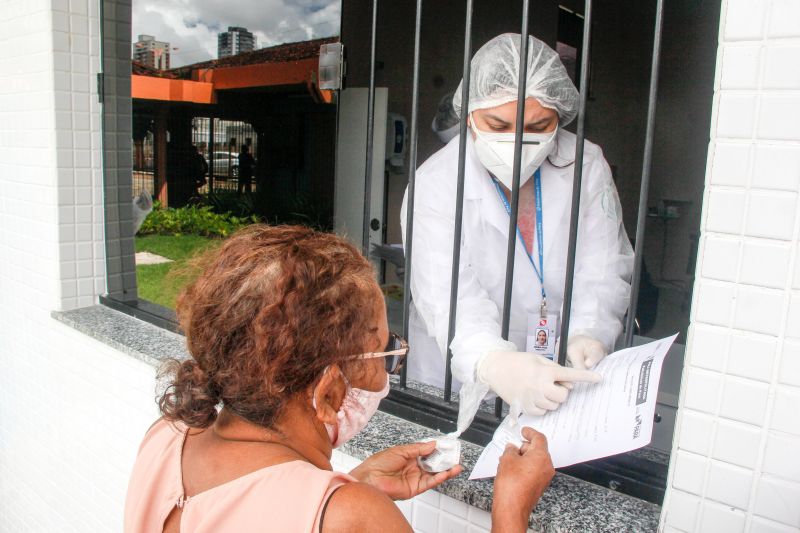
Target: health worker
[530, 382]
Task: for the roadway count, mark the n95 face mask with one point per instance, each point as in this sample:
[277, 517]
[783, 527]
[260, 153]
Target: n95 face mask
[495, 151]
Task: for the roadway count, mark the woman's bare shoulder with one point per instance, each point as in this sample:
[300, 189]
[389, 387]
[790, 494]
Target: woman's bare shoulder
[361, 507]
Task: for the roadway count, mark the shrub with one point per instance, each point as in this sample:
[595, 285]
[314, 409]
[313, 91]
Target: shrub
[192, 220]
[222, 201]
[275, 208]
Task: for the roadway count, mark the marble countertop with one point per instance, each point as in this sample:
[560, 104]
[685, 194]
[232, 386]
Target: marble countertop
[568, 505]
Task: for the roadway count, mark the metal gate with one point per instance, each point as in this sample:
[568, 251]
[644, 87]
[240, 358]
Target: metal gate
[411, 404]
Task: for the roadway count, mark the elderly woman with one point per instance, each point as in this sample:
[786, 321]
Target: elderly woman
[287, 331]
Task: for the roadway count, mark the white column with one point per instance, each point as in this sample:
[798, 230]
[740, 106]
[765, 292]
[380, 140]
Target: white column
[735, 463]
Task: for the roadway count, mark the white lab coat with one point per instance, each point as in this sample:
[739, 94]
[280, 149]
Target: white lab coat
[603, 265]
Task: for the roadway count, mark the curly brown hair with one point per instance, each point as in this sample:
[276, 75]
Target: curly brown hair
[273, 308]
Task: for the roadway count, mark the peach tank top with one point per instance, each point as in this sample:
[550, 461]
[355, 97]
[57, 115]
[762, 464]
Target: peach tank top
[287, 497]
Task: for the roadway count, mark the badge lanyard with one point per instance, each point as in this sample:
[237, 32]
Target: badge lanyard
[537, 185]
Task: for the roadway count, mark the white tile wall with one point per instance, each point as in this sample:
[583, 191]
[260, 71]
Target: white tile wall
[696, 432]
[782, 67]
[760, 525]
[711, 344]
[729, 484]
[740, 66]
[683, 512]
[744, 400]
[431, 512]
[777, 166]
[789, 372]
[714, 303]
[736, 464]
[793, 318]
[703, 389]
[744, 20]
[736, 444]
[721, 519]
[771, 214]
[721, 258]
[783, 19]
[731, 161]
[691, 472]
[785, 410]
[752, 356]
[765, 264]
[780, 457]
[737, 115]
[73, 410]
[758, 309]
[779, 115]
[777, 499]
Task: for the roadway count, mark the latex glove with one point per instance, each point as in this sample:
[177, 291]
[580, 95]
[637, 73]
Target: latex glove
[585, 352]
[529, 382]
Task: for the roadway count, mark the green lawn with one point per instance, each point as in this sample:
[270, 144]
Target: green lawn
[160, 284]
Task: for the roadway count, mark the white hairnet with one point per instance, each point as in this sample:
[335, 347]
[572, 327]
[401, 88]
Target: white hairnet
[494, 79]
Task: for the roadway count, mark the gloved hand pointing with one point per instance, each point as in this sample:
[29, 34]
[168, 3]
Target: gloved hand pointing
[530, 382]
[585, 352]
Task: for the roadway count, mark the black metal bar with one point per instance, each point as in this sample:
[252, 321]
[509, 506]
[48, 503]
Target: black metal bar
[577, 179]
[103, 157]
[370, 133]
[147, 311]
[515, 178]
[412, 172]
[462, 158]
[645, 187]
[211, 154]
[512, 219]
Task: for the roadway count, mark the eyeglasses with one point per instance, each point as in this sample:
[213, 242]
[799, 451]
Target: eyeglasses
[394, 355]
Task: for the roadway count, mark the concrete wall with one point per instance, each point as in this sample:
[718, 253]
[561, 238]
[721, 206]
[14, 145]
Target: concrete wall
[735, 465]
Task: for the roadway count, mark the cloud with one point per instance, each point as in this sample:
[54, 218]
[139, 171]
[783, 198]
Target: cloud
[192, 26]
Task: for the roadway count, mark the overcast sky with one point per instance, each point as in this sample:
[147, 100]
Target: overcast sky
[192, 26]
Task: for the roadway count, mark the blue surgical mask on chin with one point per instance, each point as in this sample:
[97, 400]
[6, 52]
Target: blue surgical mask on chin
[495, 151]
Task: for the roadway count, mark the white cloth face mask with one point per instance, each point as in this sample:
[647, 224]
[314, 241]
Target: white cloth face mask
[495, 151]
[357, 408]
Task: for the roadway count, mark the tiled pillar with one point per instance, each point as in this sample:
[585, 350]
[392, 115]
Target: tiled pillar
[735, 462]
[117, 150]
[50, 181]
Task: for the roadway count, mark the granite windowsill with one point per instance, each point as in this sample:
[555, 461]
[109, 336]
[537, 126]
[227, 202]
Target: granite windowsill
[568, 505]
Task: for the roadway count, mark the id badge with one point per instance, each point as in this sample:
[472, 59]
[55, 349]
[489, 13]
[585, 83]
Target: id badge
[542, 334]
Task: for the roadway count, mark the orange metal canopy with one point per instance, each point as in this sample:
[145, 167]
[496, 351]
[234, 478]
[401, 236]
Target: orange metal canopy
[205, 82]
[165, 89]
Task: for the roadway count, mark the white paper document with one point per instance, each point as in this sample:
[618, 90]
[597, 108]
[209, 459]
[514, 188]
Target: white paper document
[597, 420]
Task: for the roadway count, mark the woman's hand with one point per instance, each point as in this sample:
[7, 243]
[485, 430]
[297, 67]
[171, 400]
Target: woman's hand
[395, 471]
[522, 477]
